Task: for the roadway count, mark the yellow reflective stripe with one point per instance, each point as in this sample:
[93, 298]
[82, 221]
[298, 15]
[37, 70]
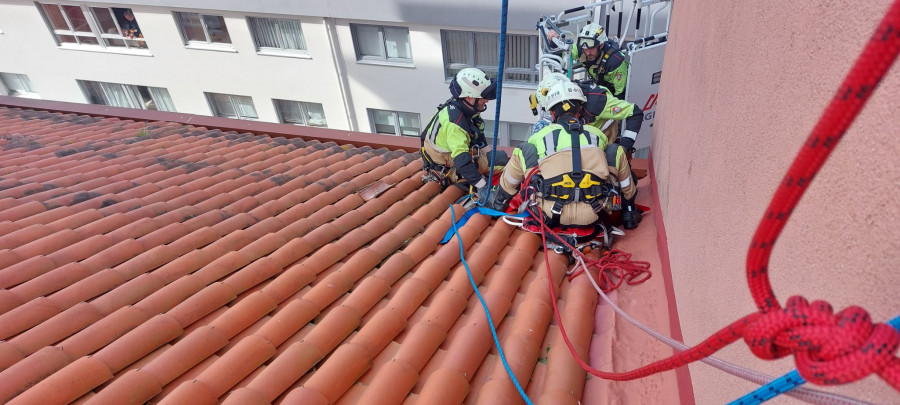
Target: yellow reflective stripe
[517, 153]
[620, 154]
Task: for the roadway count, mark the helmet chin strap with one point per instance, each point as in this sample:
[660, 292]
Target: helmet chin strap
[473, 107]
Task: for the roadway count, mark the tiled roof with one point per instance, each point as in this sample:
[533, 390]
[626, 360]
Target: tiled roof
[163, 262]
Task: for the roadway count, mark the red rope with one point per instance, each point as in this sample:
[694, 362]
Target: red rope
[615, 268]
[864, 348]
[828, 348]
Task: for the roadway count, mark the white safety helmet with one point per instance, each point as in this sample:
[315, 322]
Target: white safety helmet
[540, 95]
[473, 82]
[562, 94]
[591, 36]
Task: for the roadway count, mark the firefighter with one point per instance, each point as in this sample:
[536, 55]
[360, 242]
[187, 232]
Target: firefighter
[453, 143]
[573, 166]
[602, 58]
[601, 110]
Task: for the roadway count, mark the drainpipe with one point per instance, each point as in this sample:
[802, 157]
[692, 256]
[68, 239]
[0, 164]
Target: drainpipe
[340, 70]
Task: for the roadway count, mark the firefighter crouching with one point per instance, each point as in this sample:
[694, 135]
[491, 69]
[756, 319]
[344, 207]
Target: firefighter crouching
[453, 143]
[572, 159]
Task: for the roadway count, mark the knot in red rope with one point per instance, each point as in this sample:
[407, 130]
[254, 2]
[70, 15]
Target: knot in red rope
[828, 348]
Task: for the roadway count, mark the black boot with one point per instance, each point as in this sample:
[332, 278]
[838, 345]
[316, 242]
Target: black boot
[631, 215]
[499, 199]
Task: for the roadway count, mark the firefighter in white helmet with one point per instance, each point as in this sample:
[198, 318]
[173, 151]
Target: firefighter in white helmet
[601, 106]
[573, 166]
[602, 58]
[453, 143]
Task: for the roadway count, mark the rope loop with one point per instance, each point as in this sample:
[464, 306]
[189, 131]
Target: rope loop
[828, 348]
[615, 267]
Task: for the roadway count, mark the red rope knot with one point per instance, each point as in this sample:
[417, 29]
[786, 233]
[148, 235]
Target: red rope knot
[828, 348]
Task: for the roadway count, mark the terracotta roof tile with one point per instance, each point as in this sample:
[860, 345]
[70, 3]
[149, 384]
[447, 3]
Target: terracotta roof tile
[68, 384]
[22, 211]
[170, 263]
[53, 280]
[18, 270]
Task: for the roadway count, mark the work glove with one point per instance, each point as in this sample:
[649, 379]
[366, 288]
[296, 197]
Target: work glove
[499, 200]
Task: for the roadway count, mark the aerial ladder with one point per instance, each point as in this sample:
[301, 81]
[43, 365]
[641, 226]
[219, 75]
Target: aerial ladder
[642, 36]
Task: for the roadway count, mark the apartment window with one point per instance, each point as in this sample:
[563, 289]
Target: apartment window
[381, 43]
[395, 122]
[511, 133]
[127, 95]
[17, 84]
[300, 113]
[231, 106]
[107, 27]
[277, 35]
[202, 29]
[464, 49]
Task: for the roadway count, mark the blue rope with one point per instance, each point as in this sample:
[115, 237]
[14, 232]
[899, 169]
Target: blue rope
[490, 178]
[486, 311]
[784, 383]
[480, 210]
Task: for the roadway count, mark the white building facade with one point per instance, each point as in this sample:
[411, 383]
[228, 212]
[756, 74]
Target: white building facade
[358, 65]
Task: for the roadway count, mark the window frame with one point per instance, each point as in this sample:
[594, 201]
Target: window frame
[96, 30]
[135, 88]
[381, 39]
[398, 131]
[304, 112]
[266, 50]
[208, 44]
[504, 129]
[491, 70]
[234, 105]
[27, 85]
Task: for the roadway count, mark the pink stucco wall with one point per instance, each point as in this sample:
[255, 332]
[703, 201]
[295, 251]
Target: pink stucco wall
[744, 82]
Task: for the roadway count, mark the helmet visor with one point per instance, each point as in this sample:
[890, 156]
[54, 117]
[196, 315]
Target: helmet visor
[585, 43]
[490, 92]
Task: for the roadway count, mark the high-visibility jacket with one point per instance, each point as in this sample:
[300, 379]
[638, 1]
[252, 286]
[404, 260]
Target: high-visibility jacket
[602, 106]
[611, 68]
[451, 134]
[570, 172]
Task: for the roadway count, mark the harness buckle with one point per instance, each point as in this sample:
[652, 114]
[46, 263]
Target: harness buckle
[557, 208]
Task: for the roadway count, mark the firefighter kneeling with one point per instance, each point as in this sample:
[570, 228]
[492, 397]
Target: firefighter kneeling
[572, 189]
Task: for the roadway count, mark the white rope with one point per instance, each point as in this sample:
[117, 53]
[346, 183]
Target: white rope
[801, 393]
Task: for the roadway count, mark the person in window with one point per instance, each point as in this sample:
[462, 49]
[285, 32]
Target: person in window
[572, 159]
[453, 143]
[130, 28]
[602, 58]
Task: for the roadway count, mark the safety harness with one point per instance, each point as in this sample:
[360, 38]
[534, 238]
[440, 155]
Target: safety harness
[578, 185]
[609, 51]
[436, 171]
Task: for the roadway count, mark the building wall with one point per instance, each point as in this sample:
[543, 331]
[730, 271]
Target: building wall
[744, 84]
[28, 47]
